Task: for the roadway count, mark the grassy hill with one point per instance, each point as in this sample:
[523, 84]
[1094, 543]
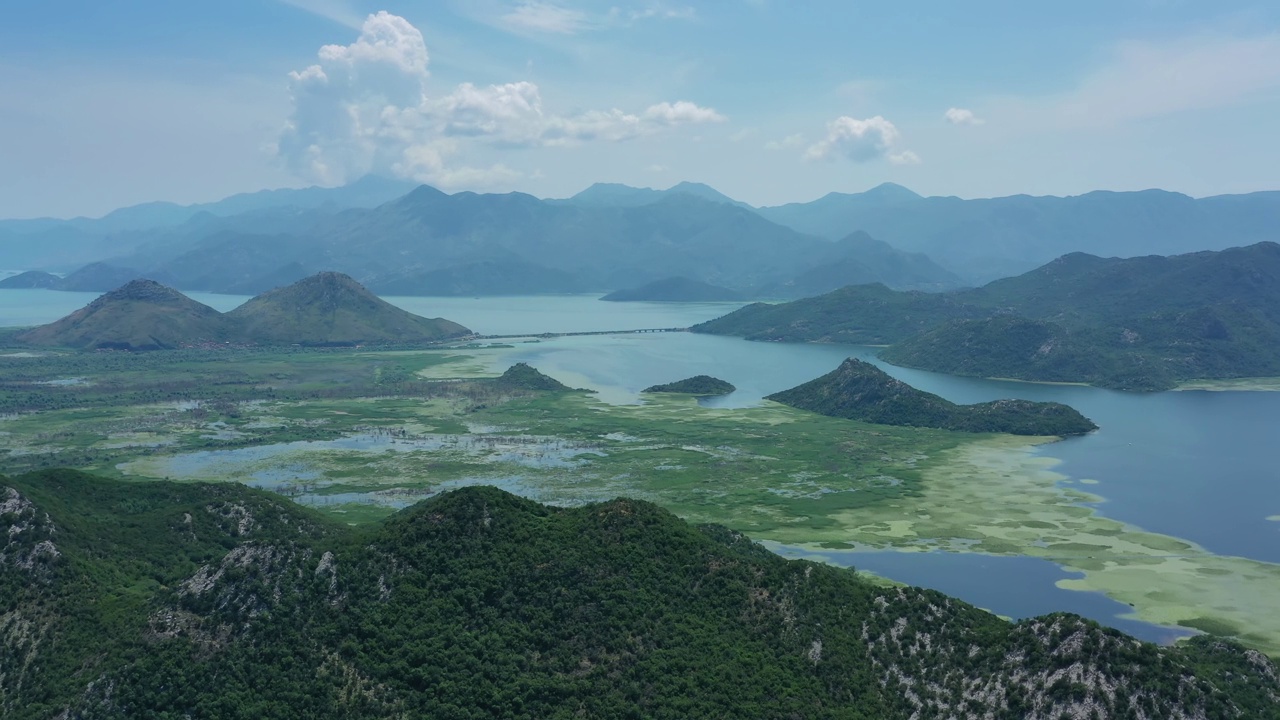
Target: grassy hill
[324, 309]
[141, 315]
[1137, 323]
[674, 289]
[696, 385]
[167, 600]
[858, 390]
[332, 309]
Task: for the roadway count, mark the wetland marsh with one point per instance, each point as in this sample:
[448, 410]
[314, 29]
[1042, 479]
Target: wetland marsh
[1173, 522]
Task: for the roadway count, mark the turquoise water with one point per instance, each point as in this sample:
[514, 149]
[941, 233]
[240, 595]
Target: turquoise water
[488, 315]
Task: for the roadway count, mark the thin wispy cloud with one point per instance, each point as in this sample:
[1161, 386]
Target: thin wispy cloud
[545, 17]
[1149, 79]
[789, 142]
[537, 17]
[336, 10]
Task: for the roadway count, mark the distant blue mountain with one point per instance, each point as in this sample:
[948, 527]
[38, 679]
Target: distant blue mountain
[617, 195]
[50, 243]
[998, 237]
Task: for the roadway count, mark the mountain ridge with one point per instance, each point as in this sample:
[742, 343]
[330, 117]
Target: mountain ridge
[241, 604]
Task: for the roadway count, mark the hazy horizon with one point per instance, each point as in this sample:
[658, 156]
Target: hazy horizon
[658, 188]
[112, 106]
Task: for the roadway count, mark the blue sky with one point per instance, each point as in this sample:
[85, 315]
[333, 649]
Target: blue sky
[110, 104]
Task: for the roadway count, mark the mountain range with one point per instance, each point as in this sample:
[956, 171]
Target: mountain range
[398, 239]
[324, 309]
[54, 244]
[990, 238]
[1138, 323]
[172, 600]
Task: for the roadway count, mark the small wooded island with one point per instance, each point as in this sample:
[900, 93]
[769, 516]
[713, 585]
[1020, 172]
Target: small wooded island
[858, 390]
[696, 385]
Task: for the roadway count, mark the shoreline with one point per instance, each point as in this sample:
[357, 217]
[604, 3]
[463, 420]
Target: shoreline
[997, 496]
[1255, 384]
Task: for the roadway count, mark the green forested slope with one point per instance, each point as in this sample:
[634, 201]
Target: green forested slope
[332, 309]
[1135, 324]
[184, 600]
[140, 315]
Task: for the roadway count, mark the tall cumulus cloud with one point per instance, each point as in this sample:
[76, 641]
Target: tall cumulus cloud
[365, 107]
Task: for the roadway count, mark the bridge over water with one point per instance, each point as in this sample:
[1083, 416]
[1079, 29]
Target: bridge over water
[570, 334]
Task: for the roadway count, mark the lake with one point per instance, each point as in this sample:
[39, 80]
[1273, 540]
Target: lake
[1197, 465]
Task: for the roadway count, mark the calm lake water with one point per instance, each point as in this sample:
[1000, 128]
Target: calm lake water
[1197, 465]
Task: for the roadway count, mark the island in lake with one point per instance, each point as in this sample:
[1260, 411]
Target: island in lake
[858, 390]
[696, 385]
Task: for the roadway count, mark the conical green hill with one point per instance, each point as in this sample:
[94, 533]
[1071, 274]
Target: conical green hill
[140, 315]
[330, 308]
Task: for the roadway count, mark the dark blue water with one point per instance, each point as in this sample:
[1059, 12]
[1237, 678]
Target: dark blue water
[1016, 587]
[1197, 465]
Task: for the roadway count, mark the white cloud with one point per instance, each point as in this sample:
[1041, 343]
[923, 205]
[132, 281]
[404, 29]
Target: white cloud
[1143, 80]
[786, 143]
[545, 18]
[364, 107]
[681, 112]
[961, 116]
[657, 168]
[861, 141]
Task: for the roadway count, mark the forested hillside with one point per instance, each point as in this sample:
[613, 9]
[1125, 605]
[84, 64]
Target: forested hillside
[165, 600]
[1138, 323]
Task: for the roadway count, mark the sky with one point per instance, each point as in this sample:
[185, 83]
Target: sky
[104, 105]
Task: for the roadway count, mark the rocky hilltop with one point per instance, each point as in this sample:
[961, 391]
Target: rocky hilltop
[858, 390]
